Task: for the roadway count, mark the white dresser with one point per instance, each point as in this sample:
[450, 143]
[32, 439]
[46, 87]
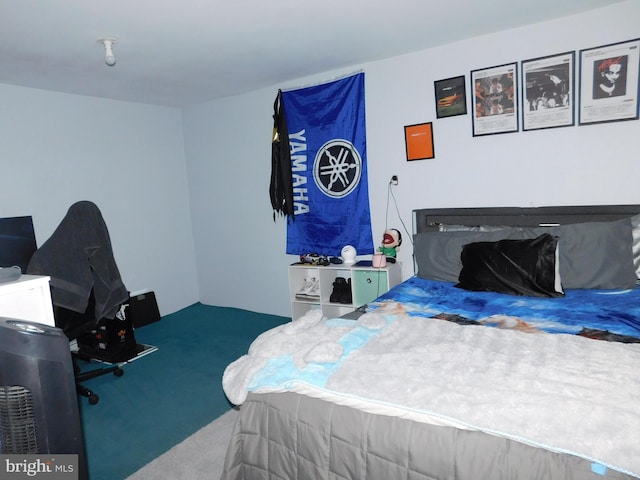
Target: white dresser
[27, 298]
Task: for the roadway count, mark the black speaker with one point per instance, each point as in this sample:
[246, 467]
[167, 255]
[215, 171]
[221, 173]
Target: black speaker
[143, 309]
[39, 412]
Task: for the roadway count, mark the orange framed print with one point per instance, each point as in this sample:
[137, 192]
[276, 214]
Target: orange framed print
[418, 141]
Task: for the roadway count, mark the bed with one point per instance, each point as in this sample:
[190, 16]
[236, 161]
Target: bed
[513, 353]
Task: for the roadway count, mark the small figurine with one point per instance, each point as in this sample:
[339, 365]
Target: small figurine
[391, 241]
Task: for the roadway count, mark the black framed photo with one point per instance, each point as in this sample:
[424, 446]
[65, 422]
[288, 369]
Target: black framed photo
[495, 94]
[609, 83]
[451, 97]
[548, 91]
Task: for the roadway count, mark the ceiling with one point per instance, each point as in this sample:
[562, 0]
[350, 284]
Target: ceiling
[180, 53]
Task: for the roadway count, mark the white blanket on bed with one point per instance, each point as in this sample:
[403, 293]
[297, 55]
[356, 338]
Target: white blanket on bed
[561, 392]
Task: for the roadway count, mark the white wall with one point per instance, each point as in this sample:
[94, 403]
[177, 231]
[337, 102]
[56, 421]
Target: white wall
[153, 183]
[57, 149]
[240, 250]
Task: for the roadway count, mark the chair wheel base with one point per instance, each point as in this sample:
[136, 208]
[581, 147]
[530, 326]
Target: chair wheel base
[82, 376]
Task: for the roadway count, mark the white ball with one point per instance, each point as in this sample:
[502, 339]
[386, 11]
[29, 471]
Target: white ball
[348, 254]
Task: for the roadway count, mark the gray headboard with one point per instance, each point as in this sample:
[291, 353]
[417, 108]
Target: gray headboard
[428, 219]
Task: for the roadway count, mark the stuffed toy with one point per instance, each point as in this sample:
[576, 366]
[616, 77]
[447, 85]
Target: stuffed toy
[391, 241]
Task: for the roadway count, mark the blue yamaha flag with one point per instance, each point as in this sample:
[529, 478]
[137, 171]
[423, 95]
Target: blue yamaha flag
[327, 140]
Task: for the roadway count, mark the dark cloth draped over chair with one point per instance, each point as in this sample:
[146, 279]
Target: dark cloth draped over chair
[78, 257]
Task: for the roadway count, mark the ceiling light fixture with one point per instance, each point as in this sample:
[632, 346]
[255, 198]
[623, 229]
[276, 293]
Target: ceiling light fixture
[109, 57]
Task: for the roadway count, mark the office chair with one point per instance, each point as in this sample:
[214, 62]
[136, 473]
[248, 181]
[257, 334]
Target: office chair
[86, 288]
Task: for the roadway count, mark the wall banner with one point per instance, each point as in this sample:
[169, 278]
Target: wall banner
[327, 140]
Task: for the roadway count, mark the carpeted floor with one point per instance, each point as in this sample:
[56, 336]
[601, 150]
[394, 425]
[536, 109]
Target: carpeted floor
[186, 461]
[168, 395]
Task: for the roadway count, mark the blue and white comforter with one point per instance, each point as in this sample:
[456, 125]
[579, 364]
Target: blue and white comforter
[561, 392]
[605, 314]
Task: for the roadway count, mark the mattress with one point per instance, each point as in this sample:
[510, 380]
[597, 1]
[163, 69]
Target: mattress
[294, 436]
[563, 394]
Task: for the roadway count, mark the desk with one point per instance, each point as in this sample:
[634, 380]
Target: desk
[28, 298]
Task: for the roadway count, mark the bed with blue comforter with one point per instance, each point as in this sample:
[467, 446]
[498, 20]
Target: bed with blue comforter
[512, 353]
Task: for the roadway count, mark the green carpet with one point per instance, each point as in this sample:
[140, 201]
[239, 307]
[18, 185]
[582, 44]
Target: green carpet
[169, 394]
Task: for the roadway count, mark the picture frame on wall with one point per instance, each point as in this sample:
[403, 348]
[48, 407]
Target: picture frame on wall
[451, 97]
[548, 92]
[418, 141]
[495, 100]
[609, 82]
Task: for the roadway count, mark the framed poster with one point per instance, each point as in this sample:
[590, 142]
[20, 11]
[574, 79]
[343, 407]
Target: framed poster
[548, 91]
[451, 97]
[495, 93]
[418, 140]
[609, 83]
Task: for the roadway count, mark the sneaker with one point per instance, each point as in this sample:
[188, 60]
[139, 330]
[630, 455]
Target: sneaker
[314, 292]
[306, 287]
[310, 289]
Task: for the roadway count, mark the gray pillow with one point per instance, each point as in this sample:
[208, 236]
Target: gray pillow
[595, 254]
[635, 248]
[447, 227]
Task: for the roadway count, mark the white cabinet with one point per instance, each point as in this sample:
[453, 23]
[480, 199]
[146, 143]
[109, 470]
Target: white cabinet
[366, 284]
[27, 298]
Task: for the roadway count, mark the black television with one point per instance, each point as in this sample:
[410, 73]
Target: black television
[17, 242]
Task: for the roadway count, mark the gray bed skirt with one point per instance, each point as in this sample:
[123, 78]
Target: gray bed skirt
[295, 437]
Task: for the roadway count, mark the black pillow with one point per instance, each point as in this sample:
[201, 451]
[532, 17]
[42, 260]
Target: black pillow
[516, 267]
[438, 253]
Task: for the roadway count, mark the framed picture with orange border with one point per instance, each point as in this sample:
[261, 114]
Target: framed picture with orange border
[418, 140]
